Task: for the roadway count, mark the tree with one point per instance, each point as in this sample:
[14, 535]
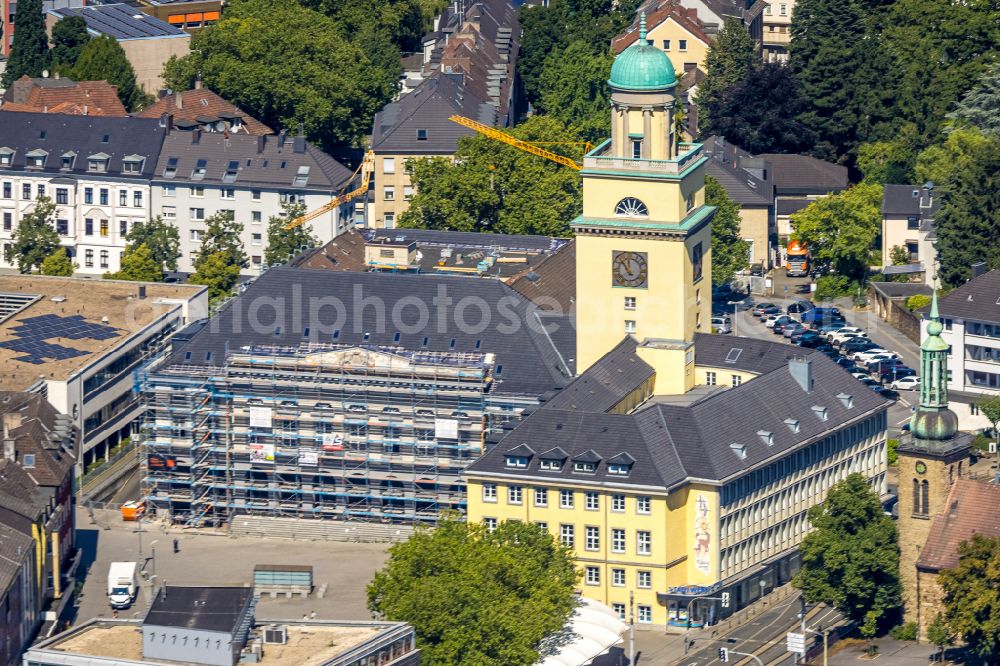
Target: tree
[35, 237]
[475, 596]
[283, 243]
[730, 251]
[162, 239]
[938, 162]
[899, 255]
[980, 107]
[494, 187]
[286, 64]
[851, 559]
[968, 222]
[29, 54]
[58, 263]
[215, 272]
[761, 112]
[222, 235]
[138, 265]
[938, 634]
[917, 301]
[729, 60]
[103, 59]
[574, 88]
[972, 596]
[842, 228]
[990, 408]
[69, 36]
[887, 162]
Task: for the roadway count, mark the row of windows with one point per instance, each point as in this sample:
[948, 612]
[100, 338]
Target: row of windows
[643, 579]
[592, 537]
[782, 10]
[567, 499]
[711, 379]
[97, 163]
[389, 193]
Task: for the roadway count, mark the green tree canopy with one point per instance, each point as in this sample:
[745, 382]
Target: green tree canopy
[990, 408]
[968, 222]
[574, 88]
[69, 36]
[139, 265]
[494, 187]
[29, 53]
[402, 21]
[980, 107]
[730, 251]
[284, 243]
[851, 559]
[222, 235]
[162, 239]
[58, 263]
[727, 64]
[215, 272]
[972, 596]
[938, 634]
[842, 228]
[286, 64]
[103, 59]
[887, 162]
[35, 238]
[474, 596]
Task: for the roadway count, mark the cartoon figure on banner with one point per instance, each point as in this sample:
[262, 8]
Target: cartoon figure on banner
[702, 536]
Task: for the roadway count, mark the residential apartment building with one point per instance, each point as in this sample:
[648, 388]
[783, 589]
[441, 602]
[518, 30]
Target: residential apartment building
[200, 174]
[96, 170]
[674, 29]
[971, 318]
[188, 15]
[59, 95]
[204, 109]
[89, 336]
[777, 30]
[908, 223]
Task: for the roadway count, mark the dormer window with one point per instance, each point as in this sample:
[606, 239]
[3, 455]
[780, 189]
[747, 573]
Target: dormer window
[302, 177]
[232, 171]
[6, 156]
[793, 424]
[199, 170]
[619, 470]
[98, 163]
[766, 436]
[620, 465]
[170, 170]
[36, 159]
[68, 159]
[518, 457]
[550, 465]
[583, 467]
[820, 412]
[739, 449]
[421, 135]
[132, 164]
[517, 461]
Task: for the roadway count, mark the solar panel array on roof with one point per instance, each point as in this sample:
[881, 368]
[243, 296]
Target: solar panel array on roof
[121, 21]
[31, 335]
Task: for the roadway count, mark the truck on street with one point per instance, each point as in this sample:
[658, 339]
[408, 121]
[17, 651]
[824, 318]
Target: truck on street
[123, 584]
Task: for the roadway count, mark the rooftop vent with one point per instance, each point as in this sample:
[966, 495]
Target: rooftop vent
[276, 634]
[739, 449]
[846, 400]
[766, 436]
[58, 299]
[820, 412]
[793, 424]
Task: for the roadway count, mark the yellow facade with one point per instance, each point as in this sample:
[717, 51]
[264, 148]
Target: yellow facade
[682, 46]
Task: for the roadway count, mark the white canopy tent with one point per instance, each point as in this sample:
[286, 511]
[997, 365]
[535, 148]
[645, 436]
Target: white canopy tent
[591, 631]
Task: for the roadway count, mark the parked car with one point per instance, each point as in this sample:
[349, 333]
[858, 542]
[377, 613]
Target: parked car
[832, 326]
[870, 354]
[757, 270]
[826, 349]
[844, 362]
[846, 331]
[798, 307]
[776, 319]
[885, 392]
[910, 383]
[860, 376]
[839, 339]
[889, 373]
[721, 325]
[758, 308]
[722, 292]
[876, 365]
[791, 328]
[856, 346]
[779, 328]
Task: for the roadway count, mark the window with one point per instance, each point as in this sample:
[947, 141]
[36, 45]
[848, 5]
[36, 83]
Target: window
[8, 190]
[631, 207]
[514, 494]
[257, 239]
[618, 577]
[682, 44]
[227, 193]
[104, 258]
[582, 467]
[550, 465]
[301, 176]
[104, 228]
[618, 503]
[542, 525]
[104, 194]
[255, 195]
[88, 195]
[630, 302]
[783, 10]
[197, 191]
[619, 469]
[541, 497]
[593, 575]
[645, 614]
[131, 165]
[644, 579]
[710, 378]
[636, 149]
[630, 325]
[697, 262]
[62, 195]
[767, 12]
[517, 461]
[389, 193]
[8, 221]
[421, 135]
[255, 217]
[28, 460]
[593, 540]
[642, 504]
[62, 227]
[98, 165]
[122, 228]
[617, 540]
[592, 501]
[197, 214]
[198, 173]
[643, 542]
[619, 610]
[389, 165]
[196, 235]
[566, 535]
[666, 44]
[491, 524]
[407, 192]
[26, 191]
[169, 212]
[88, 258]
[41, 191]
[736, 380]
[489, 492]
[913, 222]
[169, 190]
[390, 220]
[123, 197]
[566, 499]
[88, 227]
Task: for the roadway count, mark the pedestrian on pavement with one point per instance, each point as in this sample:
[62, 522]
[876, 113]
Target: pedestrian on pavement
[177, 546]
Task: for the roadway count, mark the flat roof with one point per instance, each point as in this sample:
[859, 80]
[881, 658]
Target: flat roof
[121, 21]
[311, 644]
[202, 608]
[52, 326]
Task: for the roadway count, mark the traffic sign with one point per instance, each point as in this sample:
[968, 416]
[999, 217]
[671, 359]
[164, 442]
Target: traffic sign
[796, 642]
[725, 600]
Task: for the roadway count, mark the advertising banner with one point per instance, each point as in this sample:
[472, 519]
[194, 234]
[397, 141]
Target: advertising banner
[262, 453]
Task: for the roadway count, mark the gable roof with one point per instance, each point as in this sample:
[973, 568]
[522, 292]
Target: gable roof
[85, 98]
[899, 200]
[552, 281]
[970, 509]
[43, 433]
[668, 10]
[199, 103]
[346, 252]
[803, 174]
[427, 109]
[606, 382]
[743, 187]
[121, 21]
[977, 299]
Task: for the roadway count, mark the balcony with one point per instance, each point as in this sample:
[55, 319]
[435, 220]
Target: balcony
[598, 159]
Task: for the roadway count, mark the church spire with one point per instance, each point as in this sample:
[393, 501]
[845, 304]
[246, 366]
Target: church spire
[933, 420]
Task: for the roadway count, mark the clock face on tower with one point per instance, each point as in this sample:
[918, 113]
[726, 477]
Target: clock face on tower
[628, 269]
[921, 467]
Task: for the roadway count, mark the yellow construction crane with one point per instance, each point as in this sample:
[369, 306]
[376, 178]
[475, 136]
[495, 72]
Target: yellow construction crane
[366, 167]
[526, 146]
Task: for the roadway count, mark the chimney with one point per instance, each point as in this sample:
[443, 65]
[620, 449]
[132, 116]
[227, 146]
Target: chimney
[196, 135]
[801, 371]
[85, 109]
[197, 83]
[927, 195]
[299, 144]
[167, 121]
[11, 421]
[178, 100]
[281, 139]
[261, 142]
[979, 268]
[142, 291]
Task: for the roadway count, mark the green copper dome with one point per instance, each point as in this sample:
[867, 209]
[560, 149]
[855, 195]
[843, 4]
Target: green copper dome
[642, 67]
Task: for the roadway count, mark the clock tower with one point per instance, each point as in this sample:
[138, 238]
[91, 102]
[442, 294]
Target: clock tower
[643, 257]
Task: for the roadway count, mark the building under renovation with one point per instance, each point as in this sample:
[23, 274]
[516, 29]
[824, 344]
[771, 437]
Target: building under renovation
[373, 419]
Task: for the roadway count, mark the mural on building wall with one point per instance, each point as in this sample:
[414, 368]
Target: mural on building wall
[702, 536]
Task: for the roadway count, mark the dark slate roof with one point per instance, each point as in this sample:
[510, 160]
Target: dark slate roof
[901, 289]
[899, 200]
[83, 135]
[802, 174]
[523, 242]
[346, 252]
[121, 21]
[788, 206]
[970, 509]
[203, 608]
[264, 161]
[739, 353]
[552, 281]
[743, 187]
[42, 435]
[428, 108]
[531, 363]
[606, 382]
[977, 299]
[13, 548]
[673, 443]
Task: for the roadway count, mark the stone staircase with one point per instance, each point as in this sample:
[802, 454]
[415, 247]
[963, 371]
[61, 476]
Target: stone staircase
[304, 529]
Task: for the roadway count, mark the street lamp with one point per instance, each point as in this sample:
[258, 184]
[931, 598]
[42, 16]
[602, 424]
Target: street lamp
[152, 558]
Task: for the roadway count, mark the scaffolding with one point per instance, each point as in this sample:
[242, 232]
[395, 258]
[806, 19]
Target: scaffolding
[316, 431]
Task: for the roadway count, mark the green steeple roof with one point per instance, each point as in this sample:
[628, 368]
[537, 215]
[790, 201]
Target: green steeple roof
[642, 67]
[933, 421]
